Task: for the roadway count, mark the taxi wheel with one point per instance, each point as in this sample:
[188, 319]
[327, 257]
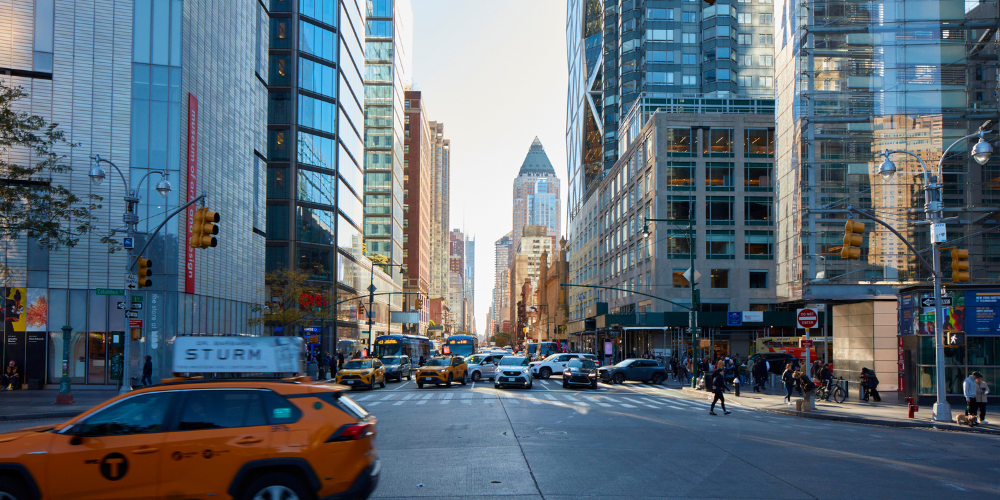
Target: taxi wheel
[12, 489]
[420, 385]
[277, 486]
[449, 381]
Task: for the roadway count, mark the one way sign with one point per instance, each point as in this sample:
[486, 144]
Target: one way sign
[929, 302]
[121, 305]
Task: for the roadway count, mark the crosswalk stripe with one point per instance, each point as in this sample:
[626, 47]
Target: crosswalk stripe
[365, 398]
[581, 403]
[408, 396]
[569, 397]
[607, 398]
[445, 401]
[428, 395]
[466, 395]
[397, 403]
[514, 400]
[388, 397]
[633, 401]
[549, 397]
[373, 403]
[449, 395]
[533, 400]
[467, 401]
[627, 405]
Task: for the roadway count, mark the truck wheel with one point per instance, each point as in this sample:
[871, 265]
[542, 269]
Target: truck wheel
[13, 489]
[276, 486]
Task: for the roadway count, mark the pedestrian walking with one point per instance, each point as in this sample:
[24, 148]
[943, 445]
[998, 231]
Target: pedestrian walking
[789, 381]
[147, 371]
[760, 374]
[719, 387]
[340, 361]
[324, 365]
[982, 390]
[969, 389]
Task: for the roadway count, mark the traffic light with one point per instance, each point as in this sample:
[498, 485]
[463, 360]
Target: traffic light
[959, 265]
[418, 304]
[204, 228]
[854, 235]
[144, 272]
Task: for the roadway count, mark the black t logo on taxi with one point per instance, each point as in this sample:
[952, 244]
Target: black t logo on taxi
[114, 466]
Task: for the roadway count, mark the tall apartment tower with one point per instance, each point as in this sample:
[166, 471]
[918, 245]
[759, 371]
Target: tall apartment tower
[456, 276]
[501, 256]
[440, 239]
[141, 84]
[889, 75]
[315, 155]
[418, 195]
[536, 194]
[470, 282]
[387, 65]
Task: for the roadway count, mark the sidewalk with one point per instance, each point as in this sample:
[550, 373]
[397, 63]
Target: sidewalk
[887, 413]
[29, 405]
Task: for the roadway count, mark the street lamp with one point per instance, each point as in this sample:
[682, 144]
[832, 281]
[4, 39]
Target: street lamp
[132, 199]
[934, 212]
[371, 303]
[693, 310]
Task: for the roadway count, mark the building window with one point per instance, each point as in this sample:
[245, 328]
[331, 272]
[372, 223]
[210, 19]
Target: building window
[766, 19]
[720, 245]
[277, 145]
[659, 35]
[759, 210]
[660, 56]
[759, 245]
[758, 279]
[765, 81]
[659, 78]
[689, 59]
[689, 38]
[719, 210]
[689, 17]
[719, 176]
[678, 243]
[720, 278]
[680, 140]
[689, 79]
[745, 18]
[679, 176]
[665, 14]
[679, 281]
[744, 39]
[719, 142]
[679, 208]
[767, 61]
[745, 81]
[759, 142]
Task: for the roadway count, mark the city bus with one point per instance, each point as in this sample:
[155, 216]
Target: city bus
[413, 346]
[347, 347]
[462, 345]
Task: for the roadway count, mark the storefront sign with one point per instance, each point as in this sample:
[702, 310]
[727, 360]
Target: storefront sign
[753, 316]
[899, 362]
[238, 354]
[192, 189]
[984, 313]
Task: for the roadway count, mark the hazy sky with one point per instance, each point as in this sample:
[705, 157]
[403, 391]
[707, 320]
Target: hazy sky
[494, 72]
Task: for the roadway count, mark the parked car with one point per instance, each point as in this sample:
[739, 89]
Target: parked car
[482, 366]
[555, 364]
[644, 370]
[513, 370]
[397, 367]
[775, 360]
[580, 371]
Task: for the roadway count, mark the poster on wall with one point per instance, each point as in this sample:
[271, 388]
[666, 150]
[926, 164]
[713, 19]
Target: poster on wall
[954, 315]
[36, 313]
[983, 308]
[14, 319]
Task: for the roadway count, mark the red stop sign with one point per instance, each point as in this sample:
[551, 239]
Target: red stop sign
[807, 318]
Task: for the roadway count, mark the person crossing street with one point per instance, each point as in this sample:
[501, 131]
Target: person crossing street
[719, 387]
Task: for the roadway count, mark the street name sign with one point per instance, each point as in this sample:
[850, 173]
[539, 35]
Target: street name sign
[110, 291]
[807, 318]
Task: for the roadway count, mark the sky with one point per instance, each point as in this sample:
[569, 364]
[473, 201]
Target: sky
[494, 72]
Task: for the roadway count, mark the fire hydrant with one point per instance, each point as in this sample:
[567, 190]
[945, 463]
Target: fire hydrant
[911, 407]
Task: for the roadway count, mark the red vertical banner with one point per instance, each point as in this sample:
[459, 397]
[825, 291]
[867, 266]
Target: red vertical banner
[192, 189]
[900, 363]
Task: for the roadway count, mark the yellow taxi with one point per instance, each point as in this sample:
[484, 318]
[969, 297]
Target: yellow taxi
[443, 370]
[362, 373]
[242, 439]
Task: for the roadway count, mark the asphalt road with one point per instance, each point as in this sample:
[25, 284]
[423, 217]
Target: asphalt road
[637, 441]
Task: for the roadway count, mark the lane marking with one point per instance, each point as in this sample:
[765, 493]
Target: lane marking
[400, 386]
[387, 397]
[626, 405]
[533, 400]
[549, 397]
[633, 401]
[373, 404]
[365, 398]
[408, 396]
[466, 395]
[445, 401]
[428, 395]
[397, 403]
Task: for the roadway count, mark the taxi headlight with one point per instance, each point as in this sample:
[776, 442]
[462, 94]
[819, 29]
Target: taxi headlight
[443, 370]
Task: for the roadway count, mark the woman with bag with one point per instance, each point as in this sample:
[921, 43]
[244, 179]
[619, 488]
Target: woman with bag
[789, 381]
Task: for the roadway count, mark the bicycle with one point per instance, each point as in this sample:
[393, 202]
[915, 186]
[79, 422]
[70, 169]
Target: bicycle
[832, 390]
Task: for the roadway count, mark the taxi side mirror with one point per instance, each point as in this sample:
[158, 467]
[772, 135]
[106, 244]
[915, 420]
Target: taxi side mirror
[77, 433]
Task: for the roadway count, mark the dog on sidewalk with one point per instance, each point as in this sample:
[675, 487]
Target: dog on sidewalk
[970, 420]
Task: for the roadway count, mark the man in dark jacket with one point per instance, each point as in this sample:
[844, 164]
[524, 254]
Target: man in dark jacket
[759, 375]
[718, 387]
[147, 371]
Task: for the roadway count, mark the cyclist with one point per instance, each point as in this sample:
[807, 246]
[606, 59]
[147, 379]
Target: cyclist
[826, 378]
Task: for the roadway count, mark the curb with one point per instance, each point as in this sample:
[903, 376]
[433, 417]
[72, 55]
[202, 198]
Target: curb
[39, 416]
[856, 420]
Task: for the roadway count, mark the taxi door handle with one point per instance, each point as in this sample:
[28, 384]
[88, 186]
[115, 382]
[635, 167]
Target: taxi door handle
[145, 450]
[250, 440]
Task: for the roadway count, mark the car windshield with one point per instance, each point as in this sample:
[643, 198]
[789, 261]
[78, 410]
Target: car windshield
[586, 364]
[439, 362]
[473, 359]
[625, 363]
[514, 361]
[552, 357]
[391, 360]
[358, 364]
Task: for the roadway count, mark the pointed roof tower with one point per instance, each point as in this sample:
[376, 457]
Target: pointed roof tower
[536, 162]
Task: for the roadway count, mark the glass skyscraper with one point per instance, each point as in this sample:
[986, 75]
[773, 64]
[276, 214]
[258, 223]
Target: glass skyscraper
[315, 155]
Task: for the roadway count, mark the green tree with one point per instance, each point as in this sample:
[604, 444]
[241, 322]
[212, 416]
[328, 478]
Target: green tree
[293, 302]
[31, 204]
[501, 339]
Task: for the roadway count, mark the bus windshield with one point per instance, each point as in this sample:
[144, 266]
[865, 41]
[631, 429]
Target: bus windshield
[461, 347]
[388, 347]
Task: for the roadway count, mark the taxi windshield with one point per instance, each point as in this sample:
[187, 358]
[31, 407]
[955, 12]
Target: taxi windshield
[439, 362]
[391, 360]
[514, 361]
[357, 364]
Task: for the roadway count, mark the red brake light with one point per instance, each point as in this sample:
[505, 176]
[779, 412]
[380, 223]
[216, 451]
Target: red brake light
[352, 432]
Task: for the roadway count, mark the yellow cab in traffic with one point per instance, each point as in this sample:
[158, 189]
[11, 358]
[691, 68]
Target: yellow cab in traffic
[365, 372]
[443, 370]
[242, 439]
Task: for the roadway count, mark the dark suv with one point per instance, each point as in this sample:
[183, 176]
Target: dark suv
[776, 360]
